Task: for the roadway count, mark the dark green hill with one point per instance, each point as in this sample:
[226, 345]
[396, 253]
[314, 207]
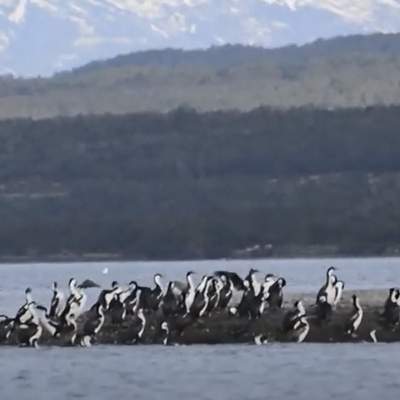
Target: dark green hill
[184, 184]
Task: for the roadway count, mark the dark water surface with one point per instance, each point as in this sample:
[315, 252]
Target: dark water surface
[291, 371]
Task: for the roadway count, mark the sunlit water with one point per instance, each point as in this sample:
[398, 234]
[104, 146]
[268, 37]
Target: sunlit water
[303, 371]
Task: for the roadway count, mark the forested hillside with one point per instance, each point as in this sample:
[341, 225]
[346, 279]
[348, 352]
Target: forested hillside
[354, 71]
[189, 184]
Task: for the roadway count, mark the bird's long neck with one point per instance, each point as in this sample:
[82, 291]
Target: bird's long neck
[158, 283]
[357, 305]
[143, 319]
[28, 298]
[74, 290]
[202, 284]
[100, 311]
[301, 308]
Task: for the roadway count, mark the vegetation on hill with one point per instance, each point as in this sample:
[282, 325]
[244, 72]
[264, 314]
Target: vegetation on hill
[216, 184]
[356, 71]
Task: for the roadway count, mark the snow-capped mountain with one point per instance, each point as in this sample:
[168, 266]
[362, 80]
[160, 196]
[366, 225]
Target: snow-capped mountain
[44, 36]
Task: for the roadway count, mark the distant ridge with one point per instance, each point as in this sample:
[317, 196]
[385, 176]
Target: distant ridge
[353, 71]
[237, 54]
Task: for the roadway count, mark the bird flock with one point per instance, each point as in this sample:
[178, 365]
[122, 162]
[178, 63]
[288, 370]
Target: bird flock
[176, 306]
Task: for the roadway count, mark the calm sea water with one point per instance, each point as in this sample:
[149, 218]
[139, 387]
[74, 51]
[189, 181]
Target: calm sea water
[290, 371]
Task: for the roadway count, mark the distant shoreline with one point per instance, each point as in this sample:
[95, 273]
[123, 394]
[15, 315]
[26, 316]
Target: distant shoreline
[122, 258]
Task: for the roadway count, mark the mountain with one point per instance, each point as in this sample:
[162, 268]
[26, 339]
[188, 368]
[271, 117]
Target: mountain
[39, 37]
[353, 71]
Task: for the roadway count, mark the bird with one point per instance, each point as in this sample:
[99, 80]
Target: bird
[57, 302]
[225, 293]
[373, 337]
[293, 315]
[324, 309]
[107, 295]
[164, 333]
[328, 288]
[75, 302]
[93, 326]
[252, 281]
[170, 305]
[201, 299]
[260, 339]
[252, 305]
[300, 329]
[190, 292]
[356, 318]
[138, 330]
[118, 307]
[150, 298]
[339, 286]
[33, 326]
[391, 312]
[275, 293]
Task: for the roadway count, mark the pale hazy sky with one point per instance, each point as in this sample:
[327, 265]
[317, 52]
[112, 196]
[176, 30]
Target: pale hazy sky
[44, 36]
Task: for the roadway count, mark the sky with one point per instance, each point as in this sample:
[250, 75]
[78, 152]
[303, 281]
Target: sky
[41, 37]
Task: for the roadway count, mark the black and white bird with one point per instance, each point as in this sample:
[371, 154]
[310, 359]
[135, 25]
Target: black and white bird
[293, 315]
[26, 322]
[150, 298]
[225, 293]
[164, 333]
[324, 309]
[300, 329]
[122, 301]
[181, 289]
[6, 326]
[170, 305]
[23, 313]
[106, 296]
[269, 280]
[356, 318]
[57, 302]
[260, 339]
[236, 280]
[201, 298]
[75, 302]
[131, 298]
[328, 289]
[237, 287]
[275, 293]
[339, 287]
[33, 326]
[391, 312]
[138, 330]
[252, 305]
[251, 281]
[213, 294]
[93, 326]
[190, 292]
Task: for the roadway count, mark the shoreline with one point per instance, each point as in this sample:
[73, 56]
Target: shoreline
[121, 258]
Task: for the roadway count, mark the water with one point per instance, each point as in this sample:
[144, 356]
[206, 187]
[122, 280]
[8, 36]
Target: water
[278, 372]
[291, 371]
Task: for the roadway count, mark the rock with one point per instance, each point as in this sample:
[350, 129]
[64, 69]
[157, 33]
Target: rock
[221, 327]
